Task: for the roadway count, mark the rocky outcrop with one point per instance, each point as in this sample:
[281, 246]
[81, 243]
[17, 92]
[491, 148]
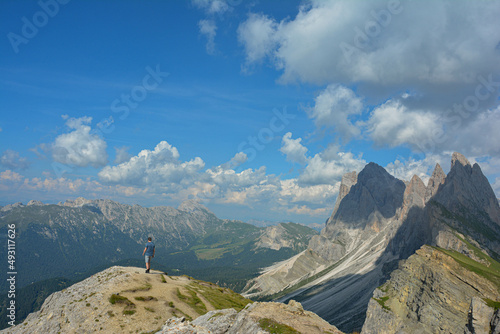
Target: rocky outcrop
[480, 317]
[379, 221]
[126, 300]
[437, 179]
[434, 291]
[348, 180]
[285, 235]
[253, 319]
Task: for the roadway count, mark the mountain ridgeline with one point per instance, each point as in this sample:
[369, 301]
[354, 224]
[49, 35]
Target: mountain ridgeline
[394, 257]
[74, 239]
[382, 234]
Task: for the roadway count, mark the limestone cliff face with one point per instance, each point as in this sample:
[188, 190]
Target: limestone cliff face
[285, 235]
[379, 221]
[433, 291]
[437, 179]
[348, 180]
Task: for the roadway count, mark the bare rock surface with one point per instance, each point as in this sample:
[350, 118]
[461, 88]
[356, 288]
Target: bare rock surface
[253, 320]
[122, 300]
[432, 292]
[377, 221]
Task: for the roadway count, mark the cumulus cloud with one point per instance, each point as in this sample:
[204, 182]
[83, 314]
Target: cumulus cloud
[236, 161]
[79, 147]
[161, 171]
[385, 49]
[405, 168]
[160, 166]
[293, 149]
[258, 36]
[10, 176]
[121, 154]
[333, 108]
[292, 192]
[390, 44]
[11, 159]
[393, 124]
[329, 166]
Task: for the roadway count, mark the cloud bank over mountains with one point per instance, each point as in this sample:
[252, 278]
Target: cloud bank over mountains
[415, 74]
[419, 76]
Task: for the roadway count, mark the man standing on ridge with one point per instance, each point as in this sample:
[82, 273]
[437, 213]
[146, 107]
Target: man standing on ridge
[149, 253]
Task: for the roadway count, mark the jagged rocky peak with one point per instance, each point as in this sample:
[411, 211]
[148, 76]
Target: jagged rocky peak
[415, 192]
[460, 158]
[466, 187]
[12, 206]
[375, 190]
[80, 201]
[437, 179]
[191, 205]
[34, 203]
[348, 180]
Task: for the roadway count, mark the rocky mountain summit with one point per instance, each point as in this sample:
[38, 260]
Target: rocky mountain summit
[378, 221]
[126, 300]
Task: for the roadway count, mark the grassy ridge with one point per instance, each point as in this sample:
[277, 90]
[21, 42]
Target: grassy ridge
[491, 272]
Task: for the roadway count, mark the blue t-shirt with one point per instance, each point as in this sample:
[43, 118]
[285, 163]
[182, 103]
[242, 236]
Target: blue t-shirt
[149, 249]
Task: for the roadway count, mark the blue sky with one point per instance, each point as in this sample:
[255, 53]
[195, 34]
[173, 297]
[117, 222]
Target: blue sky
[254, 108]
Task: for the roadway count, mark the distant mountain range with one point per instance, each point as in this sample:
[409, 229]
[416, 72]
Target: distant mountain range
[353, 271]
[394, 257]
[74, 239]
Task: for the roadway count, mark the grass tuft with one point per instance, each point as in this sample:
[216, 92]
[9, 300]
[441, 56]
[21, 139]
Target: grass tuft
[274, 327]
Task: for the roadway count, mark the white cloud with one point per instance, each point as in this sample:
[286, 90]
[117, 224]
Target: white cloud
[79, 147]
[236, 161]
[209, 30]
[404, 169]
[333, 107]
[293, 149]
[11, 176]
[293, 192]
[393, 124]
[11, 159]
[482, 130]
[121, 154]
[258, 36]
[329, 166]
[212, 6]
[455, 41]
[440, 51]
[208, 26]
[160, 167]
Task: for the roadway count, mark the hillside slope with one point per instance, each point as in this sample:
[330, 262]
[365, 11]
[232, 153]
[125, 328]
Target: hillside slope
[126, 300]
[74, 237]
[437, 290]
